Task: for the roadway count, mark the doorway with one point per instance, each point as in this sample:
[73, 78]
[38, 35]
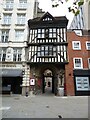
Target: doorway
[48, 82]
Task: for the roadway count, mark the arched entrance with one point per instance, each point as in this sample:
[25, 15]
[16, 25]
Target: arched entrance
[48, 82]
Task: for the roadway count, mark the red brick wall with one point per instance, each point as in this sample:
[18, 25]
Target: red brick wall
[83, 53]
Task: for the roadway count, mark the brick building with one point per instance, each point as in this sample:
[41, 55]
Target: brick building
[77, 71]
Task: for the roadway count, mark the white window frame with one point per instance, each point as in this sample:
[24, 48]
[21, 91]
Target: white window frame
[21, 18]
[88, 48]
[7, 19]
[3, 54]
[89, 63]
[22, 4]
[4, 36]
[9, 4]
[78, 67]
[17, 53]
[77, 47]
[19, 35]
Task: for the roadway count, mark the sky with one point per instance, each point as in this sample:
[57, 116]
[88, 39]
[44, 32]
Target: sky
[61, 10]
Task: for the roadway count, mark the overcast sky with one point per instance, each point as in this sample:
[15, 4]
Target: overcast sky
[61, 10]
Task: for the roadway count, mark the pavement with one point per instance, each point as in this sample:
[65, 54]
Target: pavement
[44, 106]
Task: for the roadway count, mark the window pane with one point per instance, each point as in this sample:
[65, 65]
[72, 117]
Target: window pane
[7, 19]
[4, 36]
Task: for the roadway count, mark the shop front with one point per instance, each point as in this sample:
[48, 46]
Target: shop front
[11, 81]
[82, 82]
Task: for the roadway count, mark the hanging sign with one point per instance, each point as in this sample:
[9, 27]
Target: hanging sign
[32, 81]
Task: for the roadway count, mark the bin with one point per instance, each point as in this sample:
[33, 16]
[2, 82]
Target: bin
[61, 91]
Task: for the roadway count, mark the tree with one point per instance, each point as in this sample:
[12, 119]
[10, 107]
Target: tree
[74, 8]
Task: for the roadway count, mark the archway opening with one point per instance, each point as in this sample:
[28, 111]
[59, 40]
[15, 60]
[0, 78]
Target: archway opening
[48, 82]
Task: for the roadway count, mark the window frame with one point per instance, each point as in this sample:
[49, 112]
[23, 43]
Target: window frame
[4, 36]
[87, 45]
[9, 4]
[79, 46]
[21, 19]
[17, 53]
[7, 19]
[89, 63]
[75, 66]
[19, 35]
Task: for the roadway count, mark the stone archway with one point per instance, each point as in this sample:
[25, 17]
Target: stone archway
[47, 83]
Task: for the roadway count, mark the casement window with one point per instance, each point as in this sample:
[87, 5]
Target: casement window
[20, 18]
[7, 19]
[76, 45]
[4, 36]
[47, 33]
[46, 51]
[78, 64]
[82, 84]
[9, 4]
[3, 54]
[89, 63]
[22, 4]
[88, 45]
[19, 34]
[17, 54]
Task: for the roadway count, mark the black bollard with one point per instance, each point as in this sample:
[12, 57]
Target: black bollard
[26, 94]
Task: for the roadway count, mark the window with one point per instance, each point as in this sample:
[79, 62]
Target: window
[7, 19]
[88, 45]
[22, 4]
[78, 63]
[17, 54]
[4, 36]
[47, 51]
[2, 54]
[9, 4]
[19, 34]
[82, 83]
[20, 18]
[89, 63]
[76, 45]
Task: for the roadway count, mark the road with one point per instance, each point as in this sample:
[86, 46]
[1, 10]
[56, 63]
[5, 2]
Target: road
[43, 106]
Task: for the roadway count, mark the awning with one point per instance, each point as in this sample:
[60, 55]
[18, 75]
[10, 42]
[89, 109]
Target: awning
[11, 73]
[81, 72]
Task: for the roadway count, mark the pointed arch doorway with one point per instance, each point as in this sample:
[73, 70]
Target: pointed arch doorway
[48, 82]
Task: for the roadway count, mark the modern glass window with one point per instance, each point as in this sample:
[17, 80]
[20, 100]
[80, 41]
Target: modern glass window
[89, 63]
[7, 19]
[78, 63]
[3, 54]
[21, 18]
[76, 45]
[88, 45]
[82, 84]
[17, 54]
[19, 34]
[22, 4]
[9, 4]
[4, 36]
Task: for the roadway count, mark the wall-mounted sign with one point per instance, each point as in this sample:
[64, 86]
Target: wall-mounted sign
[32, 81]
[82, 84]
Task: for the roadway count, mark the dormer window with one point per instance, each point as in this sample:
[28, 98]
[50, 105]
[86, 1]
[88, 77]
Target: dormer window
[47, 19]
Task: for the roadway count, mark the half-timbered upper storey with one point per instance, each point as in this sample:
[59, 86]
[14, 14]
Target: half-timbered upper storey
[47, 40]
